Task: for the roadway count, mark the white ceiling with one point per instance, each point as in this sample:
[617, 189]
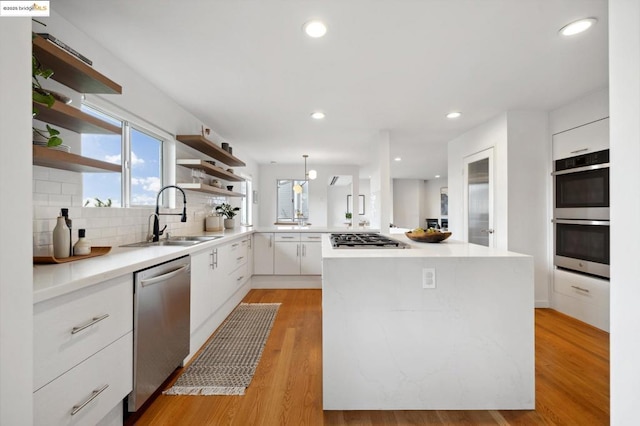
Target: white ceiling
[246, 69]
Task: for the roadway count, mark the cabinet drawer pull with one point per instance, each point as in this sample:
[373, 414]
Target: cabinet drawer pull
[586, 290]
[290, 238]
[240, 258]
[314, 238]
[240, 278]
[579, 150]
[94, 395]
[235, 245]
[94, 320]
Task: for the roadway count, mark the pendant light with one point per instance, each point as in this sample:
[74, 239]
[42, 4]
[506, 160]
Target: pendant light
[297, 188]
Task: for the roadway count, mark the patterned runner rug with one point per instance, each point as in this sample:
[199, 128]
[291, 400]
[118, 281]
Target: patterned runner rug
[227, 364]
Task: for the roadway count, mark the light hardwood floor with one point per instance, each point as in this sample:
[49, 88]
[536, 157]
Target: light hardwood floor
[572, 379]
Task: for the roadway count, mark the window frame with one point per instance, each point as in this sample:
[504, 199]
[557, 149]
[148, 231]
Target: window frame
[294, 218]
[131, 121]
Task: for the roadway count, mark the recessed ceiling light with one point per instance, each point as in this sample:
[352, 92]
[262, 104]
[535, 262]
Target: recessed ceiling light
[317, 115]
[437, 176]
[397, 159]
[315, 28]
[454, 114]
[577, 27]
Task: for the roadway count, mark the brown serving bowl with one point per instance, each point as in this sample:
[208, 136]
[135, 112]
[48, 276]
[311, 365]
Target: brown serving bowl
[424, 237]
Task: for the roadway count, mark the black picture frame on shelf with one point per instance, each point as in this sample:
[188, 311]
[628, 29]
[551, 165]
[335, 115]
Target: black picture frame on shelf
[360, 207]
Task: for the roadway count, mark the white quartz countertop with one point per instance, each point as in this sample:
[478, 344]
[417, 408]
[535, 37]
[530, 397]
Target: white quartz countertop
[447, 248]
[51, 281]
[321, 229]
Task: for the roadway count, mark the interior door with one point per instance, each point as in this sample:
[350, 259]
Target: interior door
[478, 198]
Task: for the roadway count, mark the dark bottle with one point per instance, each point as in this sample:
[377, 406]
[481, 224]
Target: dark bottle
[65, 213]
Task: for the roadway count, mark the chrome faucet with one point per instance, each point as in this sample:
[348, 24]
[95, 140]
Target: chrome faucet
[156, 220]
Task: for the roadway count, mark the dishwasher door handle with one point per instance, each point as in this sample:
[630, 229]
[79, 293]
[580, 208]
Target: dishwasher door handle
[163, 277]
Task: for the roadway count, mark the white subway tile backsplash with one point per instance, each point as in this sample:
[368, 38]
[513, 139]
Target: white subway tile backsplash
[55, 189]
[47, 187]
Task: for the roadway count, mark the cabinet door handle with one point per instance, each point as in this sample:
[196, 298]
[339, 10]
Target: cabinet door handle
[215, 258]
[579, 150]
[94, 395]
[585, 290]
[304, 250]
[211, 259]
[93, 320]
[240, 258]
[297, 250]
[235, 245]
[240, 278]
[270, 240]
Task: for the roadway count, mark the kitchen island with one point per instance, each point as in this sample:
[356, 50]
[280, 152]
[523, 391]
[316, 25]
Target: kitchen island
[435, 326]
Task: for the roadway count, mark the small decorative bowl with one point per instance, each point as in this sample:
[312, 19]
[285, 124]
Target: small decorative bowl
[424, 237]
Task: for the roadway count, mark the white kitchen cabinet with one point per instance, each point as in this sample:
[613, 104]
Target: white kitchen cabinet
[298, 254]
[263, 252]
[287, 258]
[591, 137]
[311, 260]
[83, 353]
[583, 297]
[202, 282]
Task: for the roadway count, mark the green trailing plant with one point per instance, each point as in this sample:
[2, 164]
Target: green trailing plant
[227, 211]
[348, 215]
[42, 96]
[99, 203]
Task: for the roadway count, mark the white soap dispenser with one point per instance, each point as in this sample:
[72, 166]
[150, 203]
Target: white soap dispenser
[61, 239]
[83, 246]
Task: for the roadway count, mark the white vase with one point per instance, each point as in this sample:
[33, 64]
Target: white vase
[61, 239]
[229, 223]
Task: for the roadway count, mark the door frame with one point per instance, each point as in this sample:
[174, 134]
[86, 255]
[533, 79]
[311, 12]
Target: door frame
[472, 158]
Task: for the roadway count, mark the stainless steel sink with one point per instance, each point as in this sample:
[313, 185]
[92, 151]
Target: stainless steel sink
[184, 241]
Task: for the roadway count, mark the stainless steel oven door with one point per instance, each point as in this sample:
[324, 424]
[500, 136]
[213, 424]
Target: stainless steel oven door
[582, 193]
[582, 246]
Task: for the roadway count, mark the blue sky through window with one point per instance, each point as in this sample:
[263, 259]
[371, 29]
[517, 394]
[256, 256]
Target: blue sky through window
[146, 166]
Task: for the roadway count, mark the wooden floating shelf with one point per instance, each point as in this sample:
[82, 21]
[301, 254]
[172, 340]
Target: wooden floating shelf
[43, 156]
[209, 169]
[207, 147]
[73, 119]
[201, 187]
[71, 71]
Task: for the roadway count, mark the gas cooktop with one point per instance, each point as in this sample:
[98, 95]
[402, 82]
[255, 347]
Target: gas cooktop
[368, 240]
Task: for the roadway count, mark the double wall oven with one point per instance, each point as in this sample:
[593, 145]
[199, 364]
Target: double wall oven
[581, 213]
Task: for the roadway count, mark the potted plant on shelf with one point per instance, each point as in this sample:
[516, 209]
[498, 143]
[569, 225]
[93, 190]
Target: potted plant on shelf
[229, 213]
[42, 96]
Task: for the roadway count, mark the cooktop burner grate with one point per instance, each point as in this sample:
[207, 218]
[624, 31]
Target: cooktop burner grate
[365, 240]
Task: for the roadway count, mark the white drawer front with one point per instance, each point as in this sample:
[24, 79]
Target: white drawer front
[591, 290]
[287, 236]
[239, 276]
[58, 346]
[310, 237]
[591, 137]
[111, 367]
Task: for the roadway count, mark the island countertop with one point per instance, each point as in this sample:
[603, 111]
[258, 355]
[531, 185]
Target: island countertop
[447, 248]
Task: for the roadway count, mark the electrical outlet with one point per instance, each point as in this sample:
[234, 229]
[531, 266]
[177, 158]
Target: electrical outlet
[428, 277]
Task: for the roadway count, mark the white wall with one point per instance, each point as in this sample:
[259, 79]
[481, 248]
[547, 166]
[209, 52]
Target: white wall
[624, 72]
[408, 196]
[318, 189]
[521, 143]
[147, 105]
[337, 204]
[16, 276]
[491, 134]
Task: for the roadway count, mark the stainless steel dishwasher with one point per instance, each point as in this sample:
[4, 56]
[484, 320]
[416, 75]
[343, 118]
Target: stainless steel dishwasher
[161, 305]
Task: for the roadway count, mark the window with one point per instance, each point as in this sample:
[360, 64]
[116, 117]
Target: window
[246, 209]
[138, 151]
[292, 206]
